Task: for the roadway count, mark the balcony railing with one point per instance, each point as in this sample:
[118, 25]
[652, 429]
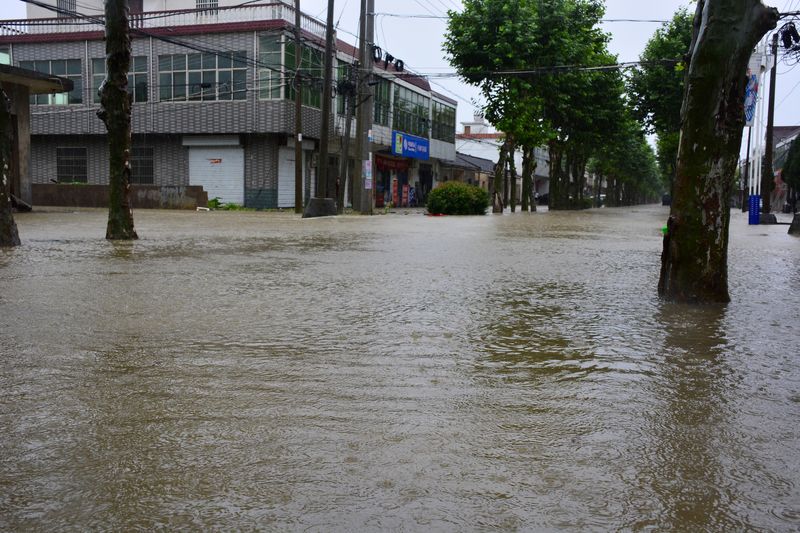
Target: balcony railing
[165, 19]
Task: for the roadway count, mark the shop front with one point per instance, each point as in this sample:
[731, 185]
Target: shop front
[392, 185]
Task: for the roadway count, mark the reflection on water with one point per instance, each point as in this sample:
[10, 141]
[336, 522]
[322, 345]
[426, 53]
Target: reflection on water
[248, 370]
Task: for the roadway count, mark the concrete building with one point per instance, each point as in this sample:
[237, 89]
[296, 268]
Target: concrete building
[212, 84]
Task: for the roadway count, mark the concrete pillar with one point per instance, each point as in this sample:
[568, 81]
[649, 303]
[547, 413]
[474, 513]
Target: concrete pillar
[21, 110]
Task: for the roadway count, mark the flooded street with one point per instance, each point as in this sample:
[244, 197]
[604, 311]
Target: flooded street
[242, 370]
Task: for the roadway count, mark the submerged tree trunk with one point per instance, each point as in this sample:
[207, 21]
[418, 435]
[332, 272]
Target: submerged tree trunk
[9, 236]
[528, 162]
[694, 261]
[116, 114]
[512, 176]
[499, 172]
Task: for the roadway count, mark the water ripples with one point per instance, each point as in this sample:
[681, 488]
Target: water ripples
[251, 371]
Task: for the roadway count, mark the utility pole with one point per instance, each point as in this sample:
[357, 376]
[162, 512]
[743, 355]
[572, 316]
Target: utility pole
[767, 174]
[298, 113]
[362, 189]
[322, 204]
[347, 88]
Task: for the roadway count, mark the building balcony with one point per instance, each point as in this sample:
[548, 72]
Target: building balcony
[234, 17]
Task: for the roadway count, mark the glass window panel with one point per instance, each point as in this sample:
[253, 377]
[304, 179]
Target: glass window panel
[179, 62]
[240, 59]
[140, 88]
[194, 62]
[27, 64]
[99, 66]
[240, 84]
[224, 60]
[179, 86]
[194, 89]
[59, 68]
[165, 87]
[164, 63]
[209, 61]
[73, 66]
[209, 85]
[140, 64]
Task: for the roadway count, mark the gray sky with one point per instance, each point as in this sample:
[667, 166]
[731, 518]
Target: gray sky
[418, 41]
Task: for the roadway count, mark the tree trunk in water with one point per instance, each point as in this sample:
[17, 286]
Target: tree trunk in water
[512, 167]
[115, 112]
[499, 171]
[554, 196]
[526, 179]
[9, 236]
[694, 261]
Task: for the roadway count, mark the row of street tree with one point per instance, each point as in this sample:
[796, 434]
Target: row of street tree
[545, 71]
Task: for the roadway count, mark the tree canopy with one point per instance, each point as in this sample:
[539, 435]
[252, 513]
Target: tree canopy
[539, 65]
[656, 87]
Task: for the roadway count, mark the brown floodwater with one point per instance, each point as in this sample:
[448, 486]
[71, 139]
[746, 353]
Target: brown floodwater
[240, 371]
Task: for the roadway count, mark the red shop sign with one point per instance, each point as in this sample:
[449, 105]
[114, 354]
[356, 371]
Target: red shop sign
[399, 165]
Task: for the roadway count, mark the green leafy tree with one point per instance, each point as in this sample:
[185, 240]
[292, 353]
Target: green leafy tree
[657, 87]
[538, 64]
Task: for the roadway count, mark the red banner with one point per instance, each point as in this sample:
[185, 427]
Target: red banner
[399, 165]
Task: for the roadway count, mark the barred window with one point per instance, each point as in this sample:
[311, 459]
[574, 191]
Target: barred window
[63, 7]
[444, 122]
[207, 4]
[142, 167]
[71, 165]
[196, 77]
[137, 78]
[66, 68]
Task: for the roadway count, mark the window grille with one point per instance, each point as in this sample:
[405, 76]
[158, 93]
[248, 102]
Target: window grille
[64, 8]
[142, 167]
[71, 165]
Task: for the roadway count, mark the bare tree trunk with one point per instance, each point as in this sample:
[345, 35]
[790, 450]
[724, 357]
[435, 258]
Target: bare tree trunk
[694, 262]
[116, 114]
[9, 236]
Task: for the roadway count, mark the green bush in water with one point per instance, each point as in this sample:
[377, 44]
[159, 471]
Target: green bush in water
[454, 198]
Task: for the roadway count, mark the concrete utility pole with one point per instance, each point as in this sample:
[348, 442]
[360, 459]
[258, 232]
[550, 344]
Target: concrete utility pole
[347, 88]
[322, 204]
[298, 113]
[767, 174]
[362, 188]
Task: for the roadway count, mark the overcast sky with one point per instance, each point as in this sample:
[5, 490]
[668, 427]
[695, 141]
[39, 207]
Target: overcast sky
[418, 41]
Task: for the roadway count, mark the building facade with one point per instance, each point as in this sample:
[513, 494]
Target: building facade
[213, 90]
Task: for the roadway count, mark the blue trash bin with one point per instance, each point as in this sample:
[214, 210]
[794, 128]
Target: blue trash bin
[755, 209]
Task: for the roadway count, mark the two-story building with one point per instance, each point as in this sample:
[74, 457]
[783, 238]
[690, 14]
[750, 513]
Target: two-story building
[213, 88]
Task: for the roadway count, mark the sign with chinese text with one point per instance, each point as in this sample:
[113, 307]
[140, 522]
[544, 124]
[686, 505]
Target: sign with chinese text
[411, 146]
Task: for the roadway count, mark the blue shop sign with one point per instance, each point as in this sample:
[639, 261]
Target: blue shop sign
[412, 146]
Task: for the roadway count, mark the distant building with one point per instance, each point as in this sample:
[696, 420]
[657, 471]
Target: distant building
[480, 140]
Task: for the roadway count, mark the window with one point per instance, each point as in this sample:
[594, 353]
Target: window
[137, 78]
[410, 112]
[269, 75]
[64, 7]
[66, 68]
[71, 165]
[5, 55]
[382, 102]
[207, 4]
[196, 77]
[343, 85]
[311, 67]
[142, 168]
[443, 125]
